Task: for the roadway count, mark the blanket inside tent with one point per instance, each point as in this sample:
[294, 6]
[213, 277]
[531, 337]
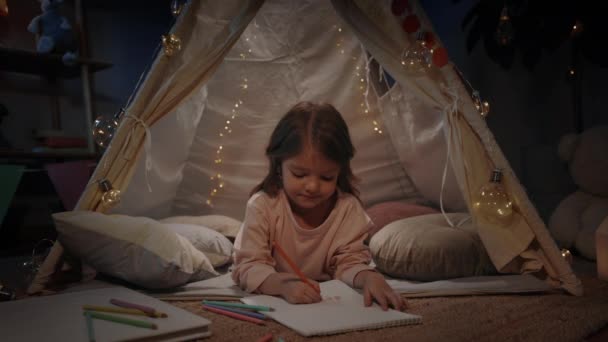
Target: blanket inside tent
[192, 140]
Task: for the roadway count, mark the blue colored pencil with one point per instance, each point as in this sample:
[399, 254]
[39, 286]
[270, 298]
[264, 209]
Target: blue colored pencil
[242, 312]
[239, 305]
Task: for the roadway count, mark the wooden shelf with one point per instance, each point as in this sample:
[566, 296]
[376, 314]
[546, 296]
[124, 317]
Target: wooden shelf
[50, 65]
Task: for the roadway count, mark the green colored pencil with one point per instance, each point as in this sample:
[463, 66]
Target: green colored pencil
[239, 305]
[120, 319]
[90, 330]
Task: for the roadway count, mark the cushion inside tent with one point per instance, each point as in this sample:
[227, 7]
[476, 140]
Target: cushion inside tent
[209, 153]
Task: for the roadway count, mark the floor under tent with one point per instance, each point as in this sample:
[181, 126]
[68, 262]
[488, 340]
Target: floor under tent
[190, 148]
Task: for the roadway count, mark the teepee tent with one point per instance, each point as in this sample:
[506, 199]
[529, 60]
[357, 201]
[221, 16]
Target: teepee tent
[191, 142]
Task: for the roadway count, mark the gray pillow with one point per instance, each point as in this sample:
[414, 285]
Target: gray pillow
[427, 248]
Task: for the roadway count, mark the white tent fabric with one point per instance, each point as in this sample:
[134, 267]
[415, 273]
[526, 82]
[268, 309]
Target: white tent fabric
[193, 139]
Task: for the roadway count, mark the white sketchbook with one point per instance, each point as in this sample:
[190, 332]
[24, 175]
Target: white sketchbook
[60, 318]
[341, 310]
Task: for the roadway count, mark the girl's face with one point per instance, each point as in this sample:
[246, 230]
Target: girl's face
[309, 179]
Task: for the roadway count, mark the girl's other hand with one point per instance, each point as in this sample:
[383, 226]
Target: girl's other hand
[376, 288]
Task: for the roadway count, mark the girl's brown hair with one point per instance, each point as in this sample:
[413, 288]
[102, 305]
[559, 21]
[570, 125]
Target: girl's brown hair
[325, 129]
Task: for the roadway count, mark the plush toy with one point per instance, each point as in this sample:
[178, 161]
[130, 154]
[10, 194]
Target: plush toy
[54, 32]
[577, 217]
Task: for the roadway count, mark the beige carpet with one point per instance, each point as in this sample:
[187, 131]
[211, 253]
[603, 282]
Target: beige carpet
[548, 317]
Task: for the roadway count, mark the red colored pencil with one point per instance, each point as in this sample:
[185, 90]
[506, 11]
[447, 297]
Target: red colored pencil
[234, 315]
[293, 266]
[265, 338]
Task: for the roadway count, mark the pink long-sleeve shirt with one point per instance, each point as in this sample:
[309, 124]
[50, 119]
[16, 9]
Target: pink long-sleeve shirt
[333, 250]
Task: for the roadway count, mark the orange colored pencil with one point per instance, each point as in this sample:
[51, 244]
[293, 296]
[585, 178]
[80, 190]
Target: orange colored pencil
[234, 315]
[293, 266]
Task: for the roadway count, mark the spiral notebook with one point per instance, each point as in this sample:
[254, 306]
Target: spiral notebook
[341, 310]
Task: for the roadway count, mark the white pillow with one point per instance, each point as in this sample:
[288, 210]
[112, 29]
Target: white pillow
[225, 225]
[215, 245]
[139, 250]
[427, 248]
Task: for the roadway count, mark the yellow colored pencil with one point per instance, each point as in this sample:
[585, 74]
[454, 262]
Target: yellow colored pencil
[122, 320]
[114, 310]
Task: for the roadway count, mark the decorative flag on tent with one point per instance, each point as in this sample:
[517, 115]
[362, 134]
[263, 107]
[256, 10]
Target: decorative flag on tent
[10, 175]
[70, 180]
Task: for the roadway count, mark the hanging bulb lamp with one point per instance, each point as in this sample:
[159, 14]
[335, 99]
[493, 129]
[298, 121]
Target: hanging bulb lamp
[176, 7]
[483, 107]
[111, 196]
[418, 58]
[504, 31]
[104, 129]
[492, 202]
[171, 44]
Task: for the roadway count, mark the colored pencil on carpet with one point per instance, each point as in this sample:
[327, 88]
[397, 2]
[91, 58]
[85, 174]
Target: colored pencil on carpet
[239, 311]
[234, 315]
[90, 329]
[121, 319]
[293, 266]
[239, 305]
[265, 338]
[150, 311]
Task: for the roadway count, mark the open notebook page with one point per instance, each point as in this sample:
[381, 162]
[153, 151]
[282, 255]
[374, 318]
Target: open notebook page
[341, 310]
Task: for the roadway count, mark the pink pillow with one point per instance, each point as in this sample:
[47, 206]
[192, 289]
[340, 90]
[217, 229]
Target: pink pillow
[387, 212]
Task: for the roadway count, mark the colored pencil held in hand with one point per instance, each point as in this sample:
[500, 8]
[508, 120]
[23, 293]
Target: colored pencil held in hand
[293, 266]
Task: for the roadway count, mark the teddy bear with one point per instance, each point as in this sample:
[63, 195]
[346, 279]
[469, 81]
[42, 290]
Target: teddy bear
[54, 32]
[575, 220]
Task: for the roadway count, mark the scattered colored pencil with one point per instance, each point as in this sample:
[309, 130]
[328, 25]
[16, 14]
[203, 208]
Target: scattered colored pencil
[234, 315]
[293, 266]
[121, 319]
[239, 305]
[265, 338]
[114, 310]
[90, 329]
[239, 311]
[150, 311]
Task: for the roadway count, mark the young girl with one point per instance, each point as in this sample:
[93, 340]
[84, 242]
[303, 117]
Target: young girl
[309, 206]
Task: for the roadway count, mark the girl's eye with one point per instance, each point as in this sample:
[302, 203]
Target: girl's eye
[328, 179]
[297, 175]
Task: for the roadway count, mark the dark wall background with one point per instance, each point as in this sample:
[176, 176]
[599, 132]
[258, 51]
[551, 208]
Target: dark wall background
[530, 110]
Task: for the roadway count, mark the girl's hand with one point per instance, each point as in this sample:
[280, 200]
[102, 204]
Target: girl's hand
[295, 291]
[376, 288]
[291, 288]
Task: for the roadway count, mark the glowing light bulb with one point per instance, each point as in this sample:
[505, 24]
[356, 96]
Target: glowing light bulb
[418, 58]
[176, 7]
[103, 130]
[171, 44]
[493, 203]
[567, 255]
[504, 32]
[483, 107]
[110, 196]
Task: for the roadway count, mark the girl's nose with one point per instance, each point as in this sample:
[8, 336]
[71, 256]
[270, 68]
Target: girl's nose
[312, 185]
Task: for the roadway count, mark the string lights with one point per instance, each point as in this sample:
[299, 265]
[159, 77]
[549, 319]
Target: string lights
[217, 179]
[363, 83]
